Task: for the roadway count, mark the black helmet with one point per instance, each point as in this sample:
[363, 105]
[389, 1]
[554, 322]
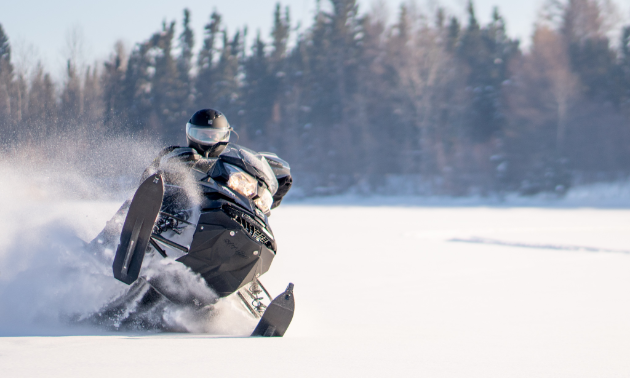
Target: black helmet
[208, 131]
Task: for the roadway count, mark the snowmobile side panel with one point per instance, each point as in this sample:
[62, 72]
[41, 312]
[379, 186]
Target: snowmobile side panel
[136, 231]
[226, 253]
[278, 315]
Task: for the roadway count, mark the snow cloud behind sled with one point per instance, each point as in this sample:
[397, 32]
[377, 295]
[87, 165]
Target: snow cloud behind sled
[55, 198]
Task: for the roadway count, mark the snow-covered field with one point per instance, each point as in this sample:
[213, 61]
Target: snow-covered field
[384, 286]
[388, 291]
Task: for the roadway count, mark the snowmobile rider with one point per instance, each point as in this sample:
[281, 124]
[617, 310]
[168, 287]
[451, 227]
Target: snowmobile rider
[208, 134]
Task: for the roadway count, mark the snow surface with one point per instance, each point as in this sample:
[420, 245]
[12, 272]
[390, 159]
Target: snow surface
[385, 291]
[383, 288]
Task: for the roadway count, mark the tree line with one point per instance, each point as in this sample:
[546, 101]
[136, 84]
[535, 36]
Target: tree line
[427, 104]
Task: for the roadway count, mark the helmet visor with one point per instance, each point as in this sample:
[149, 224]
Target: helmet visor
[207, 135]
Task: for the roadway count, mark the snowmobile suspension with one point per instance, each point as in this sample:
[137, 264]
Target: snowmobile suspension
[169, 243]
[254, 304]
[174, 217]
[158, 248]
[255, 291]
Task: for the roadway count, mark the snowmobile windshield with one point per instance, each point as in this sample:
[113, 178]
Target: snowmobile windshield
[260, 164]
[207, 135]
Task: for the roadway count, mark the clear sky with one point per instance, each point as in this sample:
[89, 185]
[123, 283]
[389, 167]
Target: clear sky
[38, 28]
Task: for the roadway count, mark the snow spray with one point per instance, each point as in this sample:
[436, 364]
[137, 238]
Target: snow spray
[57, 196]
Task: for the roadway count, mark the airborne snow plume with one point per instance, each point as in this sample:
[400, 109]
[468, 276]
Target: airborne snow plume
[54, 199]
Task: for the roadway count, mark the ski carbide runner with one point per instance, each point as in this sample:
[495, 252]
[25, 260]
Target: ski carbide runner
[136, 231]
[278, 315]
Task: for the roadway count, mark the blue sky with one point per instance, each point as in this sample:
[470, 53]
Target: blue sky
[38, 28]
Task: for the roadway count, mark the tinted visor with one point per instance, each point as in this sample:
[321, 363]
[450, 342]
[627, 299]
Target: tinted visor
[207, 135]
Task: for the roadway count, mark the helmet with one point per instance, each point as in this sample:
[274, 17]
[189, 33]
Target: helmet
[208, 132]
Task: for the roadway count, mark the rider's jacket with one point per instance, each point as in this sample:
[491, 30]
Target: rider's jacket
[233, 154]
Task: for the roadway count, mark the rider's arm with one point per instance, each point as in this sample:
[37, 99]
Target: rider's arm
[282, 170]
[153, 167]
[284, 184]
[165, 156]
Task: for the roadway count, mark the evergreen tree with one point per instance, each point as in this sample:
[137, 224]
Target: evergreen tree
[332, 52]
[454, 29]
[113, 84]
[624, 64]
[206, 66]
[275, 82]
[257, 99]
[42, 108]
[137, 88]
[280, 34]
[404, 90]
[486, 53]
[6, 80]
[71, 100]
[585, 38]
[372, 102]
[165, 109]
[19, 96]
[92, 99]
[184, 66]
[226, 84]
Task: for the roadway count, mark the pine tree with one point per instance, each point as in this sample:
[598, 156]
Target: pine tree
[344, 48]
[206, 66]
[276, 80]
[624, 64]
[257, 98]
[42, 109]
[501, 50]
[6, 81]
[226, 85]
[280, 34]
[476, 53]
[165, 109]
[592, 57]
[184, 66]
[331, 59]
[372, 102]
[404, 90]
[92, 98]
[71, 100]
[19, 95]
[136, 89]
[113, 83]
[453, 34]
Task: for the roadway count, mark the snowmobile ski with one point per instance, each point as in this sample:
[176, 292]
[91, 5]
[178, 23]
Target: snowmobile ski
[278, 315]
[136, 231]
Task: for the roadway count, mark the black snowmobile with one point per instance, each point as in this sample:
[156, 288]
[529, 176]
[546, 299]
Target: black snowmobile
[210, 214]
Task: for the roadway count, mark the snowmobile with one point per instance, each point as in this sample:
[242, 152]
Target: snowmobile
[210, 214]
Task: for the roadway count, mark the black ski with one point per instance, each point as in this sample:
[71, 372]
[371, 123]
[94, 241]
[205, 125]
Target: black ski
[136, 231]
[278, 315]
